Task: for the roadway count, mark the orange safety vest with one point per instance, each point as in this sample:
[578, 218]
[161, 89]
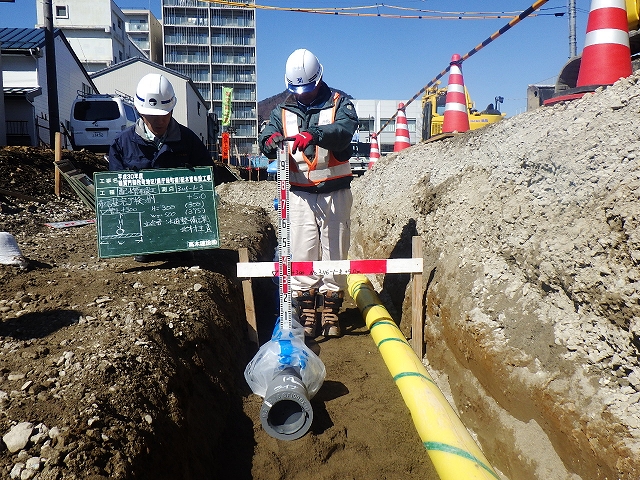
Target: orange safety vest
[304, 172]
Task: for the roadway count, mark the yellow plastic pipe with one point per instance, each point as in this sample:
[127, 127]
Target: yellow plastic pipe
[454, 453]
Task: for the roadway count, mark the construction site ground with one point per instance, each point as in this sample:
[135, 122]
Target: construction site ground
[125, 370]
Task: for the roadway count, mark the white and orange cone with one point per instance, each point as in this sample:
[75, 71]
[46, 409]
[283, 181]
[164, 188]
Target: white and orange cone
[374, 153]
[403, 140]
[606, 56]
[456, 115]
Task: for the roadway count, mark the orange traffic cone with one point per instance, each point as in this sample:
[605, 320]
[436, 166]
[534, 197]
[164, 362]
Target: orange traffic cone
[606, 56]
[403, 140]
[456, 116]
[374, 153]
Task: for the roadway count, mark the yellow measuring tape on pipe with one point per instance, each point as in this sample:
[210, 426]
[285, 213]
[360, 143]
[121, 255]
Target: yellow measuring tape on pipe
[454, 453]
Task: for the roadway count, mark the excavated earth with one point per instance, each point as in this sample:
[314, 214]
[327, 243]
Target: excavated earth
[116, 369]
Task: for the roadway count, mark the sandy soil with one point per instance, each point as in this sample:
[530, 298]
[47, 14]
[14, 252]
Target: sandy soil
[126, 370]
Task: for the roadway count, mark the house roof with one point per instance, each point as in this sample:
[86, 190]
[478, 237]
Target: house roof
[129, 61]
[26, 39]
[21, 38]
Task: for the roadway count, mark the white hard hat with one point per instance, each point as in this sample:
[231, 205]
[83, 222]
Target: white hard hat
[154, 95]
[303, 71]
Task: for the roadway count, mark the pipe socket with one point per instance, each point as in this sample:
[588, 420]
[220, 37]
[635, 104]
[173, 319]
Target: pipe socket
[286, 412]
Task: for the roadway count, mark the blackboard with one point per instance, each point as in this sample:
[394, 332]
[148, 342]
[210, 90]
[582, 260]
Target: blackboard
[155, 211]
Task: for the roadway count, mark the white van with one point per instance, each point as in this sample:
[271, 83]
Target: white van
[97, 119]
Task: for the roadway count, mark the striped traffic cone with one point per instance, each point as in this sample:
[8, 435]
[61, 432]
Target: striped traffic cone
[606, 56]
[374, 153]
[456, 116]
[403, 140]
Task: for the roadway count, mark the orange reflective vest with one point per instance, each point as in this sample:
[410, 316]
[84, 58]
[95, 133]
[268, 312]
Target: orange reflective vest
[304, 172]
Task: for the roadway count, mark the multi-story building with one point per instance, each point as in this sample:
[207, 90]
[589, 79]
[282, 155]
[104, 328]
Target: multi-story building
[95, 30]
[145, 30]
[373, 114]
[215, 46]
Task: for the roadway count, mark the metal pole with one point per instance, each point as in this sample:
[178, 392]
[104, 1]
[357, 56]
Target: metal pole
[52, 81]
[572, 29]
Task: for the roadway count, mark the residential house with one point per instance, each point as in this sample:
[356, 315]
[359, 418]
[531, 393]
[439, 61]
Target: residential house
[24, 77]
[191, 109]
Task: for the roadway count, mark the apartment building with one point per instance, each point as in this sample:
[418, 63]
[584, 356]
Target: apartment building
[215, 46]
[145, 30]
[95, 30]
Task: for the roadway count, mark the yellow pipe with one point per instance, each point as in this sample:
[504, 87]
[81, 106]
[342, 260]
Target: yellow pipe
[454, 453]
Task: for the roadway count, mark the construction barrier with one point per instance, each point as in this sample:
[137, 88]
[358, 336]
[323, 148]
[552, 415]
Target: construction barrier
[456, 114]
[403, 139]
[374, 152]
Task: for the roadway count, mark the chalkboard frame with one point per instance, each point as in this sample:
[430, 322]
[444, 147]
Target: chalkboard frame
[155, 211]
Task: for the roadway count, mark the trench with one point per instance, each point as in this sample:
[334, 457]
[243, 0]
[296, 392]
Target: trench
[216, 437]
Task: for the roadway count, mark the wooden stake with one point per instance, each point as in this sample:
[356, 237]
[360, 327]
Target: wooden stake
[417, 322]
[58, 157]
[249, 306]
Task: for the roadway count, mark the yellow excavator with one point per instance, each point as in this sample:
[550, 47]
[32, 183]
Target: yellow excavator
[434, 101]
[568, 77]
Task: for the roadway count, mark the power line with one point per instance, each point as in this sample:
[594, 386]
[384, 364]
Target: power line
[351, 11]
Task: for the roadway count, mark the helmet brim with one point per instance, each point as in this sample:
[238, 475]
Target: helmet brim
[152, 111]
[309, 87]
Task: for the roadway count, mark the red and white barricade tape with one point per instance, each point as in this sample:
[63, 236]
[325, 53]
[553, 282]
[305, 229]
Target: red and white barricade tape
[335, 267]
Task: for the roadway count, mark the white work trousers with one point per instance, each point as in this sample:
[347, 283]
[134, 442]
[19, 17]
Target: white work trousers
[320, 230]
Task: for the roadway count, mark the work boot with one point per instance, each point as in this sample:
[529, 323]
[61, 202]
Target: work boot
[330, 326]
[305, 304]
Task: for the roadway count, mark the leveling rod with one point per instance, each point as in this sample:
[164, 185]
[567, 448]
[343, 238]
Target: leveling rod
[284, 239]
[332, 267]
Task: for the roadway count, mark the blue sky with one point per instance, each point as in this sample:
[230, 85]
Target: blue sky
[393, 58]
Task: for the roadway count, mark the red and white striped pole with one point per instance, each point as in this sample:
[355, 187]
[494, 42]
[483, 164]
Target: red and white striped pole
[403, 140]
[606, 56]
[284, 240]
[456, 115]
[374, 153]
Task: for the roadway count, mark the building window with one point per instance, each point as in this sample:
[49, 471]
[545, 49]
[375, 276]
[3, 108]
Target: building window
[62, 11]
[120, 24]
[120, 55]
[198, 108]
[366, 124]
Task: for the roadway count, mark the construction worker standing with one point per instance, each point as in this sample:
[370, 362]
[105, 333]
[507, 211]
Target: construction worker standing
[318, 123]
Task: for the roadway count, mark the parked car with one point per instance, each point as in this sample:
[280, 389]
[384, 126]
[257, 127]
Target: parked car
[96, 120]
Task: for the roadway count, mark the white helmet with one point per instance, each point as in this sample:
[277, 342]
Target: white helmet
[154, 95]
[303, 71]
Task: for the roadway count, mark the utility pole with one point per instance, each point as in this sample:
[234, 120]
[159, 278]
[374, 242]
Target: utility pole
[52, 78]
[572, 29]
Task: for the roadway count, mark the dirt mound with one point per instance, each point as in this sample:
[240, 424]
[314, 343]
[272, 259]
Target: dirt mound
[531, 250]
[115, 369]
